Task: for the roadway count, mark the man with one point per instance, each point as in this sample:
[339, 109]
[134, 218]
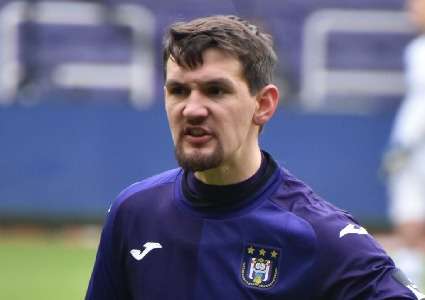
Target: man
[405, 161]
[230, 223]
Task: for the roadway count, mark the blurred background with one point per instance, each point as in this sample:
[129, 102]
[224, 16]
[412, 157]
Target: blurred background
[82, 116]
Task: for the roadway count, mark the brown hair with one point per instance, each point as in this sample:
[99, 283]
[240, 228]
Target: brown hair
[185, 43]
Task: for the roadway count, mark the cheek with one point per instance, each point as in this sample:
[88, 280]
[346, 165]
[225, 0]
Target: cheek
[240, 123]
[172, 111]
[172, 118]
[244, 116]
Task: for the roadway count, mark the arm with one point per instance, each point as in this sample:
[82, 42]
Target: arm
[409, 125]
[354, 266]
[107, 279]
[408, 133]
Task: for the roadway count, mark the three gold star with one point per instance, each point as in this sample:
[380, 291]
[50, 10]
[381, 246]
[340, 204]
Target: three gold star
[262, 252]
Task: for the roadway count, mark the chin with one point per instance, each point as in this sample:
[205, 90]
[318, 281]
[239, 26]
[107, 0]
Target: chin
[196, 159]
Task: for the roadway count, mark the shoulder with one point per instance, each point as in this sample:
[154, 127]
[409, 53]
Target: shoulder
[298, 198]
[334, 228]
[415, 49]
[417, 43]
[148, 183]
[347, 254]
[142, 189]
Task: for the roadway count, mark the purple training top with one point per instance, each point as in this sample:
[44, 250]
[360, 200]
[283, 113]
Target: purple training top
[270, 237]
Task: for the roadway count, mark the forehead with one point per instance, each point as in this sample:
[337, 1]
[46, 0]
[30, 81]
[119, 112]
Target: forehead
[216, 63]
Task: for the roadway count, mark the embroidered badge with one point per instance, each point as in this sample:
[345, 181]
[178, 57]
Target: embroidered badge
[260, 266]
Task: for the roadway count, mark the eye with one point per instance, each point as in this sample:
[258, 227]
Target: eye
[178, 91]
[215, 91]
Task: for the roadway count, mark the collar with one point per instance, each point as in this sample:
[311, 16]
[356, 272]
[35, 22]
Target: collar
[205, 197]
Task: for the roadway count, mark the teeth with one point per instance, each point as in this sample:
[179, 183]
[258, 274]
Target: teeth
[196, 132]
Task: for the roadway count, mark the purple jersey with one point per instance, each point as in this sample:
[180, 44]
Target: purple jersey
[281, 242]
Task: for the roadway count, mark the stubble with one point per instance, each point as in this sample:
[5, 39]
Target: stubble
[198, 161]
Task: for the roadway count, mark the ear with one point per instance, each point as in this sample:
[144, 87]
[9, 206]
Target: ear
[267, 101]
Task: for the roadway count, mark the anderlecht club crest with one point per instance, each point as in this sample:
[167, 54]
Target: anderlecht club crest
[260, 266]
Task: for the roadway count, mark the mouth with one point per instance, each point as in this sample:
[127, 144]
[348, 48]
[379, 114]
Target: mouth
[197, 135]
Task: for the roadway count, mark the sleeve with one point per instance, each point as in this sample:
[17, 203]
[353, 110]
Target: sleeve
[107, 280]
[354, 266]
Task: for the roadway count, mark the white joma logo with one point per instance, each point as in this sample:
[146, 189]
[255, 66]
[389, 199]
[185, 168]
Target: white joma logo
[352, 229]
[149, 246]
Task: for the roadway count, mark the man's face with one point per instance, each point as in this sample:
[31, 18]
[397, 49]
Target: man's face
[210, 112]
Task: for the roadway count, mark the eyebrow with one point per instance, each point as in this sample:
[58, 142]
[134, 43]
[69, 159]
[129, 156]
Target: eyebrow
[214, 81]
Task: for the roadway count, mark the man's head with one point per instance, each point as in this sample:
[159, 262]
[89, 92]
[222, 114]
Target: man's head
[416, 10]
[186, 42]
[218, 91]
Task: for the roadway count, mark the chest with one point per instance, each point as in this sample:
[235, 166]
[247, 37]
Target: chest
[266, 255]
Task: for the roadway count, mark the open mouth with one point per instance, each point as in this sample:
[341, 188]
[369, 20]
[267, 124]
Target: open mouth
[196, 131]
[197, 135]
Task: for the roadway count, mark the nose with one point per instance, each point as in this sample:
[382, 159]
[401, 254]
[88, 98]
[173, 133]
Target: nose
[195, 110]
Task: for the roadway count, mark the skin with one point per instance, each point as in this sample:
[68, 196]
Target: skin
[412, 234]
[416, 11]
[213, 117]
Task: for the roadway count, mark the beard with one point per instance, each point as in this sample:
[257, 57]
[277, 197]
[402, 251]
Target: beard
[197, 161]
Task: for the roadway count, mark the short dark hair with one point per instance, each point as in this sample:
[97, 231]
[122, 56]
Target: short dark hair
[185, 42]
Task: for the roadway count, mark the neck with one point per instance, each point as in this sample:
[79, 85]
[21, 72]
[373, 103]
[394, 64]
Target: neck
[234, 171]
